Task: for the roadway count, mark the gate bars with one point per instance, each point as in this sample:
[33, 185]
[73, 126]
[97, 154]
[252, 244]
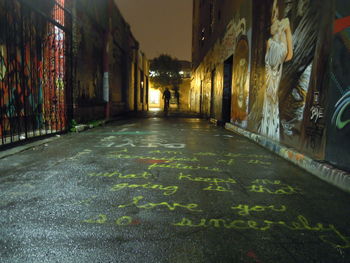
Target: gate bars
[35, 68]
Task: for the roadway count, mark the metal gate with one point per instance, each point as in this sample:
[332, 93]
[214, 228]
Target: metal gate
[35, 68]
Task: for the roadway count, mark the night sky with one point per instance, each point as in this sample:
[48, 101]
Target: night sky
[161, 26]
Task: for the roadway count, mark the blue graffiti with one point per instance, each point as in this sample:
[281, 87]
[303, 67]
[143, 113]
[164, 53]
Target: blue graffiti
[340, 108]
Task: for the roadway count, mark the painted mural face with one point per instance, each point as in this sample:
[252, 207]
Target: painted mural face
[302, 6]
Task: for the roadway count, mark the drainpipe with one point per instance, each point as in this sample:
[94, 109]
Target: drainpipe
[106, 63]
[106, 82]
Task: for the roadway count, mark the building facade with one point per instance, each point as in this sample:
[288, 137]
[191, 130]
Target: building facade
[278, 69]
[111, 72]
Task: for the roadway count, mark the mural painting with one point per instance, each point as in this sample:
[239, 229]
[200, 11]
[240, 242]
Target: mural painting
[338, 126]
[282, 73]
[279, 50]
[241, 65]
[240, 83]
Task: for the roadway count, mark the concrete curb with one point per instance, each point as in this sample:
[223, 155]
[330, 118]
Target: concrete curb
[18, 149]
[21, 148]
[326, 172]
[83, 127]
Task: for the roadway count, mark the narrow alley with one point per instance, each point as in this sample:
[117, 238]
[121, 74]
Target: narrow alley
[174, 131]
[166, 190]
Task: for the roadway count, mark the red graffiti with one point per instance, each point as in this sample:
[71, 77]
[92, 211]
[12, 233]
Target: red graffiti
[341, 24]
[251, 254]
[135, 222]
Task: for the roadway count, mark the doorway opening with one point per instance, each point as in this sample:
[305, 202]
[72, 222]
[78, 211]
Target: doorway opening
[226, 97]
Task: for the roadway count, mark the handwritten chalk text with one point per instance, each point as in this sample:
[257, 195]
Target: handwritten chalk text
[168, 190]
[182, 166]
[301, 224]
[102, 219]
[144, 175]
[149, 205]
[285, 190]
[244, 210]
[168, 159]
[206, 179]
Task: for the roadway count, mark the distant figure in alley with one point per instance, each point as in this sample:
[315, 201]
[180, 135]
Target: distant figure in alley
[166, 97]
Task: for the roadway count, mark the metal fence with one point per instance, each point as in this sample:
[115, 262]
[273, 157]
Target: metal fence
[35, 68]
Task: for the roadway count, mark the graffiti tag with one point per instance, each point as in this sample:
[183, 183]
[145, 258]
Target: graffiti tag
[340, 107]
[316, 113]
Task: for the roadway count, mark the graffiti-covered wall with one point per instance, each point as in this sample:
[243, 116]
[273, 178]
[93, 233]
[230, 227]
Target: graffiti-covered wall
[278, 78]
[34, 69]
[209, 77]
[241, 66]
[338, 114]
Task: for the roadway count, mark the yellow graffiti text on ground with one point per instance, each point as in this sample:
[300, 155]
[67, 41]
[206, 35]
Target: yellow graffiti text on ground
[259, 162]
[205, 154]
[167, 159]
[206, 179]
[244, 210]
[242, 155]
[102, 219]
[337, 240]
[125, 150]
[144, 175]
[217, 188]
[168, 190]
[284, 190]
[123, 221]
[166, 152]
[266, 181]
[149, 205]
[227, 162]
[182, 166]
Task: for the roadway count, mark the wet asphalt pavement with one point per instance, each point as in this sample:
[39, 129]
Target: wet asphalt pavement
[166, 190]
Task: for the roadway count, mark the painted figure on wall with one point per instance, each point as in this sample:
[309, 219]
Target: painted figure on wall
[240, 82]
[279, 50]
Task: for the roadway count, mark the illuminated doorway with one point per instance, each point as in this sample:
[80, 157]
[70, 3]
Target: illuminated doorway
[154, 99]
